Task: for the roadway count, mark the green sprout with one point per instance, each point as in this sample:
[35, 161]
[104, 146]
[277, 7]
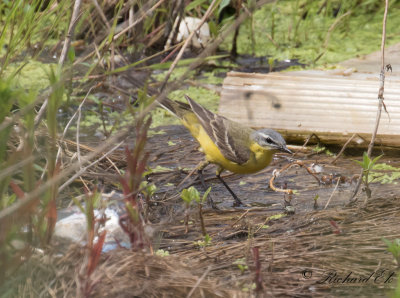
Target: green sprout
[162, 253]
[241, 263]
[190, 195]
[205, 242]
[316, 201]
[394, 248]
[148, 189]
[367, 164]
[249, 288]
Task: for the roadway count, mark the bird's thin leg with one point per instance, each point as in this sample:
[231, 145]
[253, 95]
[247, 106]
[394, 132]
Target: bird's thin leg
[238, 202]
[200, 169]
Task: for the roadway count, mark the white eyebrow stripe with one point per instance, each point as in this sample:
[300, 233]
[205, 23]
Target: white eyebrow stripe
[272, 141]
[264, 135]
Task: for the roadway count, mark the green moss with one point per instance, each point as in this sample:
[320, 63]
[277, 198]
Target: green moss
[170, 143]
[152, 132]
[33, 74]
[92, 121]
[203, 96]
[384, 174]
[175, 75]
[304, 37]
[276, 216]
[211, 78]
[160, 169]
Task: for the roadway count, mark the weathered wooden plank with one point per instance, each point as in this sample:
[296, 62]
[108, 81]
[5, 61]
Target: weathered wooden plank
[301, 103]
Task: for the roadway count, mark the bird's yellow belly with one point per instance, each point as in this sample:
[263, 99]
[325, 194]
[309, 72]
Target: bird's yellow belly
[259, 158]
[252, 166]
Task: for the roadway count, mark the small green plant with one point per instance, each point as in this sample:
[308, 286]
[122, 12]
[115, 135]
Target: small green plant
[190, 195]
[321, 149]
[205, 242]
[271, 63]
[316, 201]
[394, 248]
[22, 173]
[148, 190]
[264, 225]
[94, 248]
[396, 292]
[276, 216]
[132, 222]
[162, 253]
[385, 174]
[241, 264]
[367, 164]
[250, 287]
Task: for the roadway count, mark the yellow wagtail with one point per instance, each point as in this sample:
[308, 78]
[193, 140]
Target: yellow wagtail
[229, 145]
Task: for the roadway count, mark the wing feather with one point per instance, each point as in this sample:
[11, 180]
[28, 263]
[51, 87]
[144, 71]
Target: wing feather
[221, 131]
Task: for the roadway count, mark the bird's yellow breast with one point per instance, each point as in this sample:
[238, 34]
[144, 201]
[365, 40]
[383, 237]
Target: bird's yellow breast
[259, 158]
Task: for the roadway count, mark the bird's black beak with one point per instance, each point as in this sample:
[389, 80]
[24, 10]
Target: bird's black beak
[285, 149]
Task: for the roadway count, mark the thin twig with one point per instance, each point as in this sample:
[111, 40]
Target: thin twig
[103, 17]
[70, 34]
[257, 264]
[380, 98]
[190, 174]
[272, 40]
[78, 125]
[83, 170]
[101, 13]
[329, 200]
[203, 226]
[187, 41]
[138, 20]
[7, 172]
[202, 57]
[328, 35]
[71, 119]
[277, 173]
[198, 282]
[343, 148]
[172, 52]
[306, 142]
[67, 43]
[6, 213]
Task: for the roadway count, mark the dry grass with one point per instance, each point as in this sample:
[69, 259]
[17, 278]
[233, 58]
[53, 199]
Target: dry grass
[289, 246]
[122, 273]
[339, 239]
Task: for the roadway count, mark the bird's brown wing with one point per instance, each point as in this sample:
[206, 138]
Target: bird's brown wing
[221, 130]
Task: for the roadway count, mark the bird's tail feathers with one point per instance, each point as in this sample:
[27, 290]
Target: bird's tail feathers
[176, 108]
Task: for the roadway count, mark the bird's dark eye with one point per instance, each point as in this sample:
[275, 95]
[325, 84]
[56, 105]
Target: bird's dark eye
[269, 140]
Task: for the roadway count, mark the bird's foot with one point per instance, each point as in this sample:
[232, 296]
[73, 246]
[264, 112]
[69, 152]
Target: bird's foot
[211, 203]
[239, 203]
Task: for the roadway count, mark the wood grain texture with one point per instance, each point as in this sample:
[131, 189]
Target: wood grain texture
[297, 104]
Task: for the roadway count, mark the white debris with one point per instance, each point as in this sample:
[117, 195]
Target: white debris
[186, 27]
[317, 168]
[73, 228]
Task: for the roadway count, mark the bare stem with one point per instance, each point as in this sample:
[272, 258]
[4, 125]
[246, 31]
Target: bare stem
[67, 43]
[187, 41]
[380, 98]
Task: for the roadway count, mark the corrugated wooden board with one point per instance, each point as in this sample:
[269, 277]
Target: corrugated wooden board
[333, 107]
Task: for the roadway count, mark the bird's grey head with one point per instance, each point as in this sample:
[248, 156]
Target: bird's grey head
[269, 138]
